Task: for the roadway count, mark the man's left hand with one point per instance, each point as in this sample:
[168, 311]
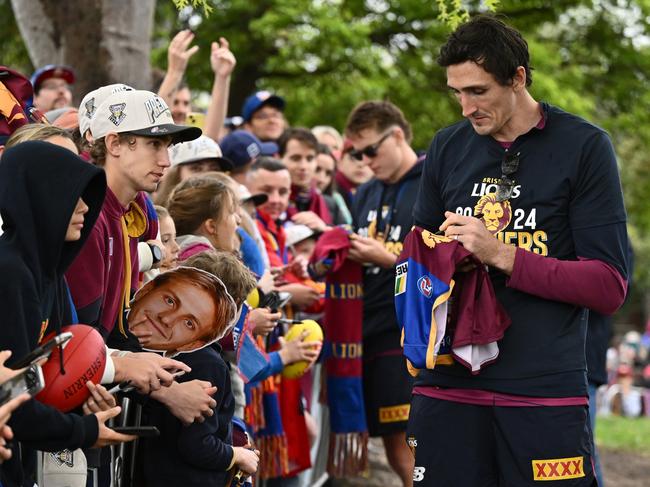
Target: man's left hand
[471, 232]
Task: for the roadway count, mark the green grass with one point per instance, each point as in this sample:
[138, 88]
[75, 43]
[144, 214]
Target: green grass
[629, 434]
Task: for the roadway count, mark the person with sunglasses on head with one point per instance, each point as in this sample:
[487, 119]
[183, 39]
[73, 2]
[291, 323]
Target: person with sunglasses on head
[380, 138]
[534, 194]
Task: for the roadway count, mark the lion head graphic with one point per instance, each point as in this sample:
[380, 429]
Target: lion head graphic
[496, 215]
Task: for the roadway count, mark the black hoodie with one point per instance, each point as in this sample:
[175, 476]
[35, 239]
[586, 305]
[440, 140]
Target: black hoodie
[40, 185]
[395, 203]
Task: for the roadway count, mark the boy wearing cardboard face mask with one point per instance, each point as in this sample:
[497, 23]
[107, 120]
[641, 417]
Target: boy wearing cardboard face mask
[187, 310]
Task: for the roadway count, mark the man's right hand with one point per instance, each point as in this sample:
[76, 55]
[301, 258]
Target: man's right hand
[147, 372]
[106, 435]
[188, 401]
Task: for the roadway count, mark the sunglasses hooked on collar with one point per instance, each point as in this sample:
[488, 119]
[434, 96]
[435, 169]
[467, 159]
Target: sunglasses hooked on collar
[369, 150]
[506, 185]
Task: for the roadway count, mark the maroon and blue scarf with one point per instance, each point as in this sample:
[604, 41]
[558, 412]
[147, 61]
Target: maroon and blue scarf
[348, 452]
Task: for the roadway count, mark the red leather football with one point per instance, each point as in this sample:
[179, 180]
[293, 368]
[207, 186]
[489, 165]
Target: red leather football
[84, 359]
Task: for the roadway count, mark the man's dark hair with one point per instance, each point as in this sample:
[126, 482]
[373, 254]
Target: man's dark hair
[269, 164]
[302, 135]
[379, 116]
[486, 40]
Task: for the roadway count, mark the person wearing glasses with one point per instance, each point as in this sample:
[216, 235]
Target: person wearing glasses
[52, 87]
[534, 193]
[382, 209]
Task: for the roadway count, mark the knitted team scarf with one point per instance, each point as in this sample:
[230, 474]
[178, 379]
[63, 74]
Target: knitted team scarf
[262, 411]
[273, 237]
[348, 451]
[262, 414]
[274, 408]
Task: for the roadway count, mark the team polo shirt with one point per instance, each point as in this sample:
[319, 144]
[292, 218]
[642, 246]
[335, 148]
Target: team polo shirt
[567, 203]
[383, 212]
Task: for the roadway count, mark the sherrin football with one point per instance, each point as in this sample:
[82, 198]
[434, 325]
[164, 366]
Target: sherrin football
[315, 334]
[84, 359]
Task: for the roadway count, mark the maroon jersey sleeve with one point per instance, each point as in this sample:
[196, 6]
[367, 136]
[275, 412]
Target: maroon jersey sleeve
[590, 283]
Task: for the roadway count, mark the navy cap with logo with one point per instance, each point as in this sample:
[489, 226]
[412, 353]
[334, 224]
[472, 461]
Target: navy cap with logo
[257, 101]
[241, 147]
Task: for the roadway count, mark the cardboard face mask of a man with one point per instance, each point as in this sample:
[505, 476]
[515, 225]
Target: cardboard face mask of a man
[184, 309]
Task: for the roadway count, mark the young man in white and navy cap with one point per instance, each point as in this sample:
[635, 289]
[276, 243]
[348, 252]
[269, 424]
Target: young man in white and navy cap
[131, 133]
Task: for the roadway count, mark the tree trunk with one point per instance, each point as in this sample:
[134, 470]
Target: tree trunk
[105, 41]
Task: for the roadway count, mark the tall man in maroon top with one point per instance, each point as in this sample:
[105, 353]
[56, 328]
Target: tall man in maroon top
[534, 193]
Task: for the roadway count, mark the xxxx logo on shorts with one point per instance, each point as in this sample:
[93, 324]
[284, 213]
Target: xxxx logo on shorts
[394, 414]
[558, 468]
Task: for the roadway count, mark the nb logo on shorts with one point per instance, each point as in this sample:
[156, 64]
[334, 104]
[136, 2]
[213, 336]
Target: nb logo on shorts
[412, 443]
[418, 474]
[558, 469]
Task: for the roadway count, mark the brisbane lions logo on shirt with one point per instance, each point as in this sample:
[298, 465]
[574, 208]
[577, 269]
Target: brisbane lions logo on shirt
[496, 215]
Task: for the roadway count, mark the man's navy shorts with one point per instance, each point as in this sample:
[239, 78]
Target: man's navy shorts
[464, 445]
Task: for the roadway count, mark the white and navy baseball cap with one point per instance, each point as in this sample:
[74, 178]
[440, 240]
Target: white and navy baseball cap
[198, 150]
[139, 112]
[92, 100]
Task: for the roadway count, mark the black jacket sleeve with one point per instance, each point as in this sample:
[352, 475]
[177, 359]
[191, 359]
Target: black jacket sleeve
[36, 424]
[199, 444]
